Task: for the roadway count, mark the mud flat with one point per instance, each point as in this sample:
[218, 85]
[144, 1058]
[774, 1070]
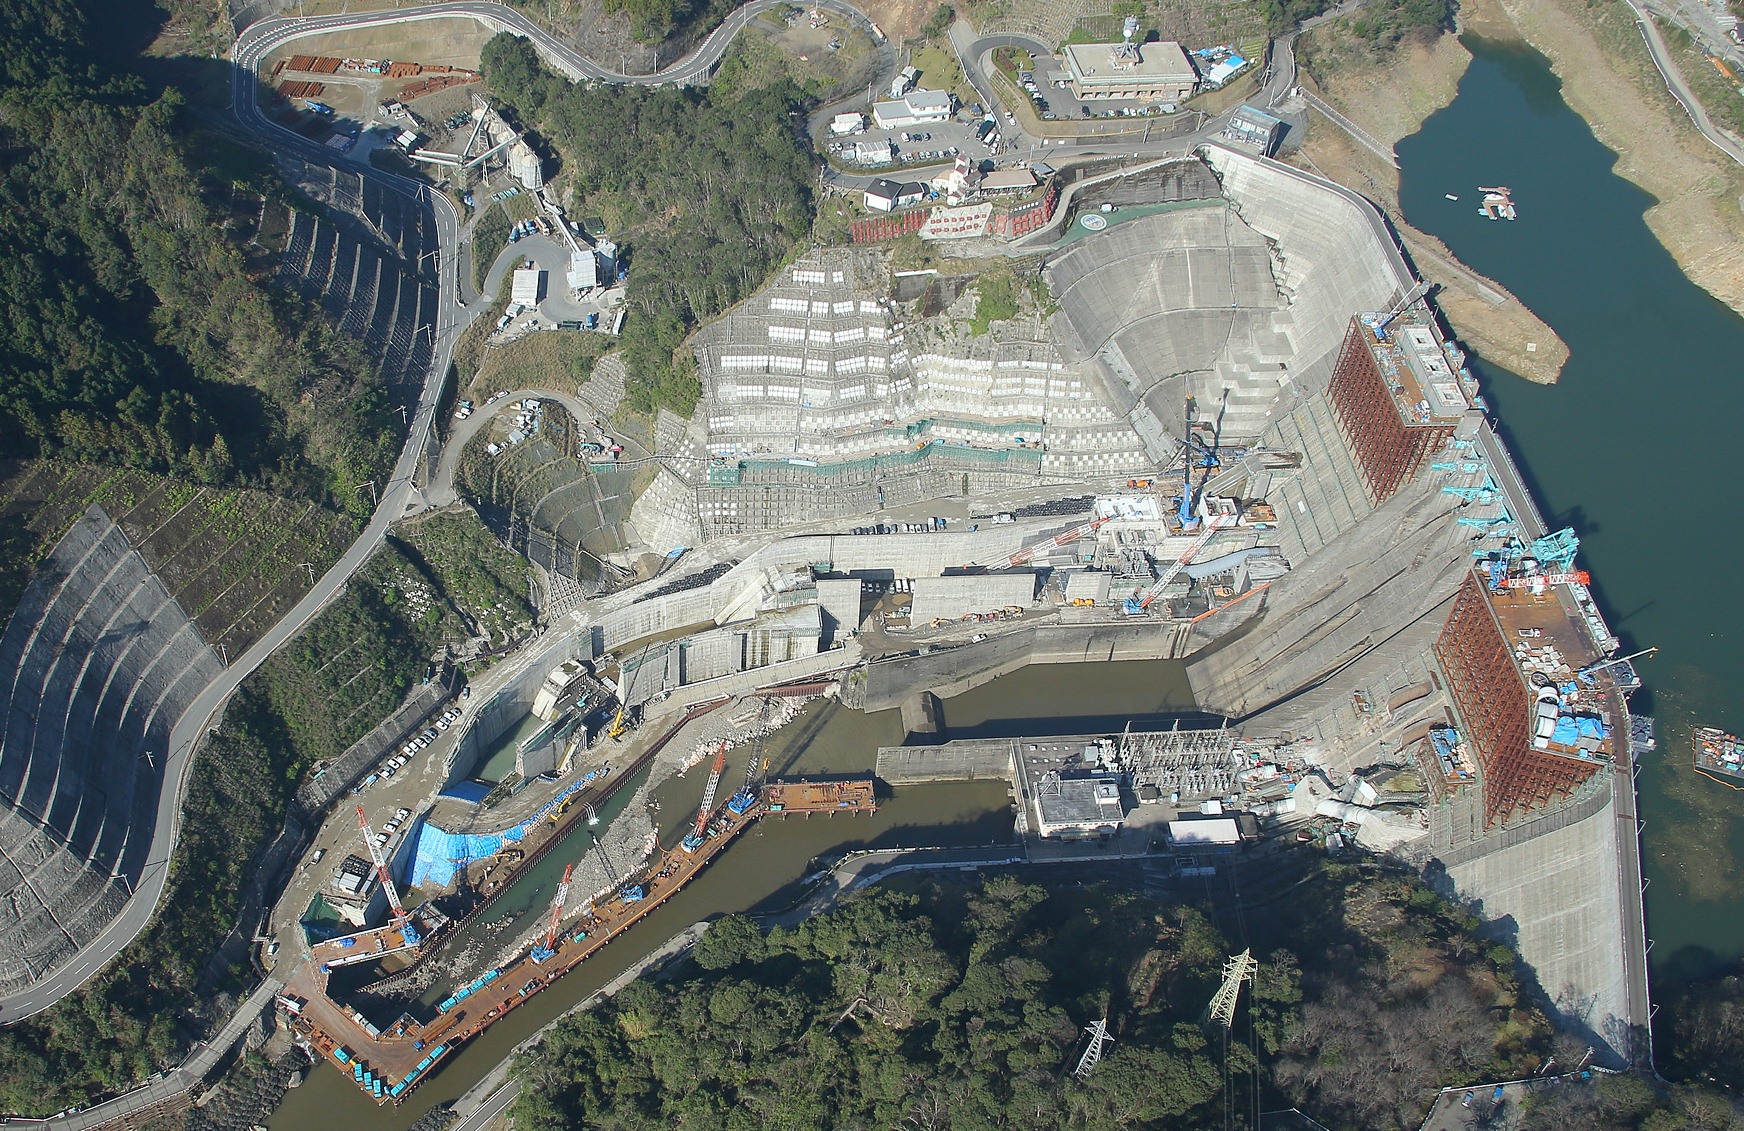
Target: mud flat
[1390, 102]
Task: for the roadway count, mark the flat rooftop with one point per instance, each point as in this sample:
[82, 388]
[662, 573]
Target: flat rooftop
[1163, 61]
[1079, 801]
[1415, 364]
[1550, 644]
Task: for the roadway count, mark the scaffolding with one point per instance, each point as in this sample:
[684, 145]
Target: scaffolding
[1387, 447]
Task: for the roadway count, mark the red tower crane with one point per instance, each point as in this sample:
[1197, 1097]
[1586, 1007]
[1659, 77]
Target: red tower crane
[694, 840]
[381, 867]
[558, 901]
[1023, 556]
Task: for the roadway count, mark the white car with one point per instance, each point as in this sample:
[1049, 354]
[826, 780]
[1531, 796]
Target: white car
[402, 814]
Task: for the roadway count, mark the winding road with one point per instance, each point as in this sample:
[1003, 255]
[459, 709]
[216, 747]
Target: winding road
[1674, 83]
[400, 494]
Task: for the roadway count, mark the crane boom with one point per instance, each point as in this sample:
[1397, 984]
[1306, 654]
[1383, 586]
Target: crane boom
[694, 840]
[381, 867]
[1533, 581]
[714, 785]
[1022, 557]
[558, 902]
[1138, 603]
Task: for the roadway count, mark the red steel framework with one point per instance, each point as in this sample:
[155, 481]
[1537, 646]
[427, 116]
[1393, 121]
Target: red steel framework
[1388, 451]
[1495, 706]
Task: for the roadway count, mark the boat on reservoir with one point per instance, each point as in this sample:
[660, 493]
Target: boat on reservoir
[1720, 756]
[1498, 203]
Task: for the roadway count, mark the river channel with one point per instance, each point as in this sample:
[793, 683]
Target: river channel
[762, 871]
[1627, 448]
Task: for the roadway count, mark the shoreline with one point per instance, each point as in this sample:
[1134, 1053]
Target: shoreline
[1610, 81]
[1391, 103]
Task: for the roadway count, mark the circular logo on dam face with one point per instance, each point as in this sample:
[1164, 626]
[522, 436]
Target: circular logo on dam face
[1093, 222]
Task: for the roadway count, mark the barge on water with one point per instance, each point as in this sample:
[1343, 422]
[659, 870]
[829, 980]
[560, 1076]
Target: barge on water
[387, 1063]
[814, 795]
[1720, 756]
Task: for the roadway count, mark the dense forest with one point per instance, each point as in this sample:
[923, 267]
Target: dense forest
[710, 196]
[964, 1007]
[130, 331]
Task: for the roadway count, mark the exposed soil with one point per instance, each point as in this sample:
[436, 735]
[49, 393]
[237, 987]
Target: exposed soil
[1609, 79]
[1391, 102]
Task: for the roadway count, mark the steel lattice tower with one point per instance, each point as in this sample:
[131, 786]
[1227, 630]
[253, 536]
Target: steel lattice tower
[1237, 970]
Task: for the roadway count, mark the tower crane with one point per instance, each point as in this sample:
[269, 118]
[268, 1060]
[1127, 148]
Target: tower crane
[1139, 602]
[694, 841]
[400, 918]
[1023, 556]
[544, 950]
[1207, 460]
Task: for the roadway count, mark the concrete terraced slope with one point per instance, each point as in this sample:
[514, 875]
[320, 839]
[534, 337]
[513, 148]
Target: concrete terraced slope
[96, 665]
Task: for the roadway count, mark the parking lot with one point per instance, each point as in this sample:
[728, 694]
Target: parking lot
[927, 145]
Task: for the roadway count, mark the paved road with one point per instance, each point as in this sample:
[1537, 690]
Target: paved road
[1675, 84]
[392, 502]
[398, 495]
[493, 1107]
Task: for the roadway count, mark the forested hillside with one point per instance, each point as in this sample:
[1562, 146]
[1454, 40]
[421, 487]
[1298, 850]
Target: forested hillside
[130, 332]
[965, 1008]
[711, 196]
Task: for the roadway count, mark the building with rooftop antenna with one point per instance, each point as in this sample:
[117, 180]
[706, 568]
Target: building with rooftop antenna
[1128, 71]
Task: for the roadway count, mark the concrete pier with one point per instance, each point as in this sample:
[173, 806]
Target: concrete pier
[973, 759]
[923, 717]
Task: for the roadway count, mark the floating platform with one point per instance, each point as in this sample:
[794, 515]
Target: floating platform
[378, 942]
[1720, 756]
[804, 798]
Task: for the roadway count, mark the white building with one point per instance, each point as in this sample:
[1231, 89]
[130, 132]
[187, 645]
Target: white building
[584, 270]
[872, 151]
[1154, 72]
[962, 182]
[843, 124]
[881, 195]
[917, 107]
[904, 82]
[1078, 807]
[528, 286]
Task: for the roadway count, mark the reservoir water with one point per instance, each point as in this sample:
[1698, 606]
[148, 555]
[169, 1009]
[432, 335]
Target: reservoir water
[1629, 448]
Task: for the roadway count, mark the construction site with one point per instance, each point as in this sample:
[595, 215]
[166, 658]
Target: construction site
[387, 1060]
[1237, 437]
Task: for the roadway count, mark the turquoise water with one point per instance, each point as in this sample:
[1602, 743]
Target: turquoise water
[1631, 447]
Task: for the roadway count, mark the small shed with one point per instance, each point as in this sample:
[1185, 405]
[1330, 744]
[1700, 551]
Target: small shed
[528, 286]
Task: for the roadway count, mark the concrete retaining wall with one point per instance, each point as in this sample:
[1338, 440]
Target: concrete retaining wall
[956, 670]
[1336, 255]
